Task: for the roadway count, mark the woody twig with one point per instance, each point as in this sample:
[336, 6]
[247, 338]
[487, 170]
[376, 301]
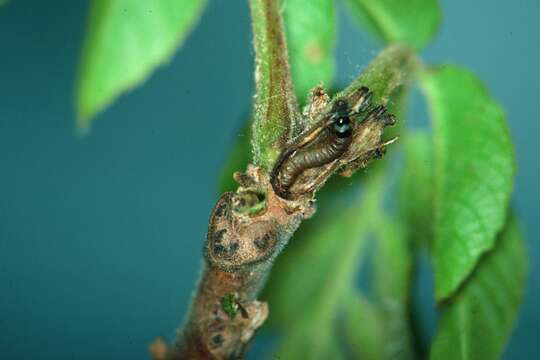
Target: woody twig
[248, 228]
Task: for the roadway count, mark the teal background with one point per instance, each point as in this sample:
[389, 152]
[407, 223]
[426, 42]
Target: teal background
[101, 237]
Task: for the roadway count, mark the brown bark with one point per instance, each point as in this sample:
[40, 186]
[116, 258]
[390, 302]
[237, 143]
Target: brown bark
[236, 272]
[210, 332]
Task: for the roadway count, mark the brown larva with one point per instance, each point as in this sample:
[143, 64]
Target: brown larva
[326, 142]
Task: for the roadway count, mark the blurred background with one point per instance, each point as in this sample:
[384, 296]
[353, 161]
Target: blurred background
[101, 236]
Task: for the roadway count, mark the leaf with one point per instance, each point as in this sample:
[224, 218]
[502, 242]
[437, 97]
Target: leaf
[364, 333]
[392, 287]
[276, 109]
[305, 302]
[381, 328]
[474, 173]
[415, 189]
[412, 22]
[477, 322]
[126, 41]
[311, 31]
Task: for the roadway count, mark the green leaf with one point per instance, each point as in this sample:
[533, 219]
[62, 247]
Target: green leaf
[477, 322]
[392, 287]
[305, 302]
[415, 189]
[276, 110]
[364, 331]
[311, 32]
[126, 41]
[474, 173]
[412, 22]
[380, 329]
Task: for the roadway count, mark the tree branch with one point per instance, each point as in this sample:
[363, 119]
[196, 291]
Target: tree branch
[248, 228]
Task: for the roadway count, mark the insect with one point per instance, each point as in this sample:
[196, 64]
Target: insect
[321, 145]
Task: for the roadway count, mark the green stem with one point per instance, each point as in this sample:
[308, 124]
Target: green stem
[276, 108]
[393, 68]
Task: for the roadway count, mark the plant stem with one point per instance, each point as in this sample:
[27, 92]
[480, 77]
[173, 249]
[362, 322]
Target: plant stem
[250, 227]
[209, 332]
[276, 113]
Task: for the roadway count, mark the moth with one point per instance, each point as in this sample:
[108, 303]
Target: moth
[324, 143]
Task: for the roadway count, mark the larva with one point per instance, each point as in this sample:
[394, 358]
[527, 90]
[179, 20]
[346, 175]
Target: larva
[325, 143]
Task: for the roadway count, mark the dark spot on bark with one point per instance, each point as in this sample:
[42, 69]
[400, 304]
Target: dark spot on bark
[263, 242]
[221, 210]
[234, 247]
[217, 236]
[217, 340]
[219, 249]
[243, 311]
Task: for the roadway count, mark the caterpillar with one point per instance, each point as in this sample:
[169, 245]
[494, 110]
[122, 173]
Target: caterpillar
[326, 142]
